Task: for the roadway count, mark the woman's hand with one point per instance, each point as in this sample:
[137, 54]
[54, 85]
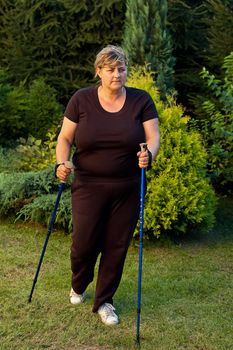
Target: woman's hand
[63, 171]
[143, 159]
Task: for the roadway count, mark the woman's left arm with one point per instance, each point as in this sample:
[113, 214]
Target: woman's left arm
[151, 129]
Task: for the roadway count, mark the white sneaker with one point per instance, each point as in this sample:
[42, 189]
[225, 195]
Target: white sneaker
[107, 314]
[75, 298]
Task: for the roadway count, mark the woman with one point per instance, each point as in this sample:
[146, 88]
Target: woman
[107, 123]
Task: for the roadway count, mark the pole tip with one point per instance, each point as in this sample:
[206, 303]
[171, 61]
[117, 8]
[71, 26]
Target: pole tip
[137, 342]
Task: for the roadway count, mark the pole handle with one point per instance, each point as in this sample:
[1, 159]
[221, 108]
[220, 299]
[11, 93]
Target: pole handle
[143, 146]
[69, 165]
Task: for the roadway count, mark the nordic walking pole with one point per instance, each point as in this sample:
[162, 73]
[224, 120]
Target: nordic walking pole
[50, 227]
[142, 196]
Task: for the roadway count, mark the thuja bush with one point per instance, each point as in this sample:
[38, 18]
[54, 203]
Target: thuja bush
[179, 195]
[43, 111]
[12, 108]
[26, 111]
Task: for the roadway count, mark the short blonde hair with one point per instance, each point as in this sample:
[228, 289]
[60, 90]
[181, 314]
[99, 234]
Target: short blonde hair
[110, 56]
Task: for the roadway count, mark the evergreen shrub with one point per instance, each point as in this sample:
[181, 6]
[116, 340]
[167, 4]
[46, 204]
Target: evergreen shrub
[42, 109]
[179, 195]
[25, 112]
[31, 196]
[12, 109]
[40, 210]
[146, 40]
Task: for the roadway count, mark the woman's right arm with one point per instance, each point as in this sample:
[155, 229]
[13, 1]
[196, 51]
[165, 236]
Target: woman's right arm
[64, 143]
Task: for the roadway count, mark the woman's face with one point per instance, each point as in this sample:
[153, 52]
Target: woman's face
[113, 77]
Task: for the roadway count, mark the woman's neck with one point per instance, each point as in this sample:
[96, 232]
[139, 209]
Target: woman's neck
[110, 95]
[112, 101]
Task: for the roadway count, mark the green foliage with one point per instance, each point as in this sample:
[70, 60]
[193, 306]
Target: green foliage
[26, 112]
[219, 32]
[179, 195]
[18, 188]
[57, 40]
[41, 208]
[202, 33]
[31, 196]
[35, 154]
[217, 127]
[144, 77]
[8, 160]
[12, 109]
[188, 28]
[42, 110]
[146, 39]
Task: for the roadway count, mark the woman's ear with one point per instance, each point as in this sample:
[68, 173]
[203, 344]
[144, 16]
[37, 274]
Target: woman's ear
[98, 72]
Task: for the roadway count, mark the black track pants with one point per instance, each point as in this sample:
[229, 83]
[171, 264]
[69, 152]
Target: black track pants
[104, 218]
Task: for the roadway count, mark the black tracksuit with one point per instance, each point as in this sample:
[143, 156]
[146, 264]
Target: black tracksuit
[106, 189]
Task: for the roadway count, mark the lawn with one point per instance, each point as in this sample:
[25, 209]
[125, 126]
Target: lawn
[187, 293]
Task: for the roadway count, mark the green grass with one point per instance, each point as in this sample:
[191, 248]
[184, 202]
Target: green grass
[187, 293]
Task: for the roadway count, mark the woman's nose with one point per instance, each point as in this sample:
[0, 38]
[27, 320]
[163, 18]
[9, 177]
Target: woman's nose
[117, 73]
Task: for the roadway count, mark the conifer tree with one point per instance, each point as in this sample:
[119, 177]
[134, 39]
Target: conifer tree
[219, 33]
[202, 33]
[146, 39]
[188, 30]
[57, 40]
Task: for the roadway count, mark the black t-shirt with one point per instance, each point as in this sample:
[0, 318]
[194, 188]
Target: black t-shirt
[107, 143]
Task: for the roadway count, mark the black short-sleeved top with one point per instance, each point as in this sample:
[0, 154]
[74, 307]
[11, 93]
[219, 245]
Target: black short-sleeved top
[107, 143]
